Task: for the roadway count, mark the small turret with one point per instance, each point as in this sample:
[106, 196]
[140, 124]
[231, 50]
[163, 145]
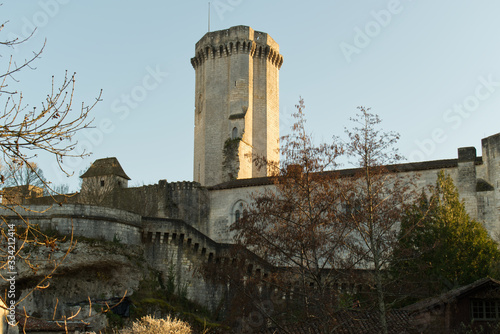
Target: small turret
[104, 175]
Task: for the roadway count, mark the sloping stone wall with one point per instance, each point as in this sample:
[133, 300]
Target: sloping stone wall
[82, 220]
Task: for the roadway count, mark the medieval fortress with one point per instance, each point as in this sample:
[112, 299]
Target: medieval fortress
[236, 114]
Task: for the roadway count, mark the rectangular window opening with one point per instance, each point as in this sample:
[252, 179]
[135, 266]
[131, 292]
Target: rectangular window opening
[485, 309]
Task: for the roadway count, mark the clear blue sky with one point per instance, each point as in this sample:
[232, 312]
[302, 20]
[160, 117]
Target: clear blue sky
[430, 69]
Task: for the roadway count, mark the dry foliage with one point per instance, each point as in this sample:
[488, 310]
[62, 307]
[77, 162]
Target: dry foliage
[318, 225]
[26, 131]
[149, 325]
[94, 192]
[376, 197]
[295, 227]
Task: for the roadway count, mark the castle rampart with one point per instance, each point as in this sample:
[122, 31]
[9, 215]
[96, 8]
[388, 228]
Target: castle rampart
[82, 221]
[181, 226]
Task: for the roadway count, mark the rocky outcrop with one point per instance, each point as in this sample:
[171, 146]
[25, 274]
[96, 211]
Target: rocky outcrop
[78, 279]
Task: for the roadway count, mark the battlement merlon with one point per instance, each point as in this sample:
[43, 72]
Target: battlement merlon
[233, 34]
[491, 145]
[239, 39]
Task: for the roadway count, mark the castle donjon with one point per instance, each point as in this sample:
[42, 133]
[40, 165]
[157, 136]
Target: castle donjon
[236, 104]
[236, 116]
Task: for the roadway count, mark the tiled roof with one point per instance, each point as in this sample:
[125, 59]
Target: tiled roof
[105, 167]
[399, 168]
[352, 322]
[31, 324]
[450, 296]
[368, 322]
[241, 183]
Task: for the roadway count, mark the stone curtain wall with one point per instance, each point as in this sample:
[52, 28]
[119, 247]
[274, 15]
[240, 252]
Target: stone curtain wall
[476, 178]
[488, 192]
[84, 220]
[178, 251]
[170, 246]
[221, 213]
[191, 224]
[187, 201]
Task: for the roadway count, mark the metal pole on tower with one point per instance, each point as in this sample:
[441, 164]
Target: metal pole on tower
[209, 16]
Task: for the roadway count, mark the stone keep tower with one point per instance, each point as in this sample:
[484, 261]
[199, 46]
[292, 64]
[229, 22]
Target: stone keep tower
[236, 104]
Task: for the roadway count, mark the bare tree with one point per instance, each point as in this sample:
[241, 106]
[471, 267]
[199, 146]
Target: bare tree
[375, 197]
[316, 224]
[26, 131]
[23, 174]
[295, 225]
[49, 128]
[60, 189]
[97, 192]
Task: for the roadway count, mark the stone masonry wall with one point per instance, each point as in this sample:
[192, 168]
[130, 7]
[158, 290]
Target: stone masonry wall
[476, 179]
[179, 251]
[489, 195]
[222, 209]
[174, 248]
[178, 200]
[236, 96]
[83, 220]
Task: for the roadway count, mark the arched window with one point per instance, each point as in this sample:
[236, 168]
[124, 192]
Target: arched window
[237, 211]
[234, 134]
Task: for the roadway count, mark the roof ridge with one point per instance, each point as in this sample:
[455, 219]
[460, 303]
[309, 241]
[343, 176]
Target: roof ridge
[105, 167]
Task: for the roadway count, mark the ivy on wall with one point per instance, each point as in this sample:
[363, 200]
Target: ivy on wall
[230, 154]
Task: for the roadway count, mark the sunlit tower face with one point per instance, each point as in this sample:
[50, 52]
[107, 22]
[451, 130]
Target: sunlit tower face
[236, 104]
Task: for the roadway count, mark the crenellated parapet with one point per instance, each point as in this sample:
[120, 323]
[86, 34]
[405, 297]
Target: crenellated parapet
[239, 47]
[237, 96]
[234, 41]
[183, 185]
